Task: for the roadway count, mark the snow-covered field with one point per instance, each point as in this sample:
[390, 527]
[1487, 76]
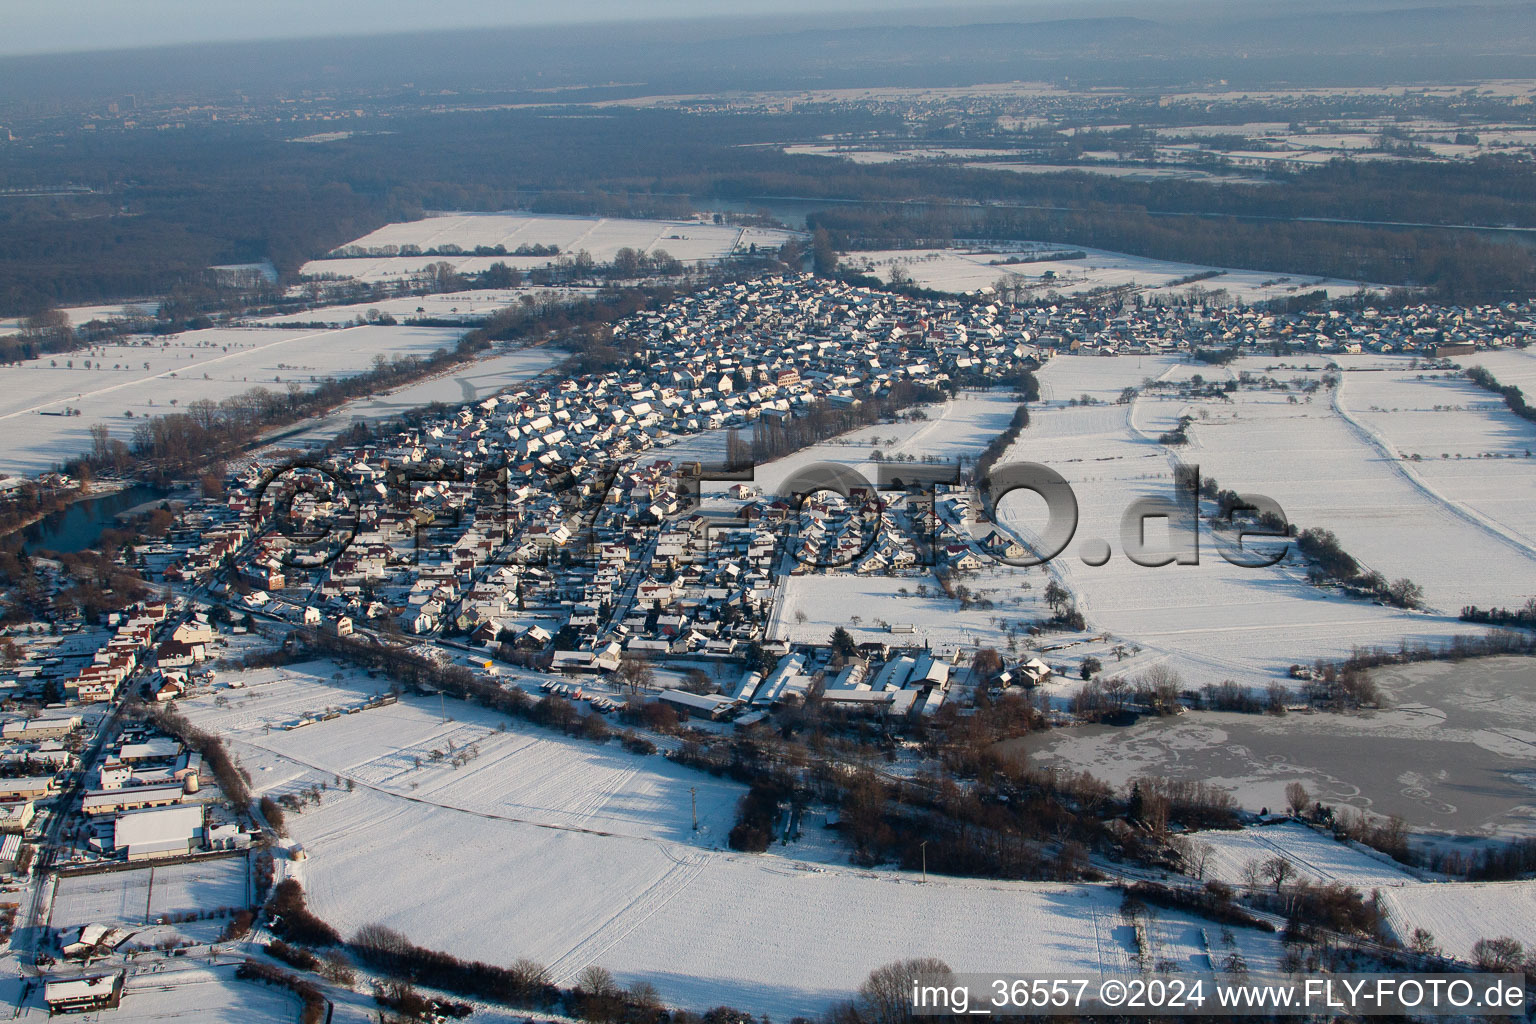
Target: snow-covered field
[464, 383]
[85, 314]
[200, 995]
[1214, 620]
[573, 854]
[1451, 439]
[1457, 914]
[135, 898]
[1316, 857]
[691, 241]
[464, 307]
[149, 376]
[970, 270]
[828, 601]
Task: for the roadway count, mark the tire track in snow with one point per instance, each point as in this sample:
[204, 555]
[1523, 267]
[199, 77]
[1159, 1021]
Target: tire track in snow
[618, 927]
[1453, 509]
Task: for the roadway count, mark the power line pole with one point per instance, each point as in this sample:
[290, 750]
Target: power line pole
[693, 796]
[924, 846]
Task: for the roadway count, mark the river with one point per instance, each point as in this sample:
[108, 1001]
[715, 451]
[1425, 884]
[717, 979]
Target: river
[79, 525]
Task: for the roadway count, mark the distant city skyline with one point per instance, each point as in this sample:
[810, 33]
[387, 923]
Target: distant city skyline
[83, 25]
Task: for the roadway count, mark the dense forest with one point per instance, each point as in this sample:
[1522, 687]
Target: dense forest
[165, 206]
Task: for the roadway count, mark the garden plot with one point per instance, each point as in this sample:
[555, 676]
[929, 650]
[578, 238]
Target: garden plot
[136, 900]
[691, 241]
[971, 270]
[149, 376]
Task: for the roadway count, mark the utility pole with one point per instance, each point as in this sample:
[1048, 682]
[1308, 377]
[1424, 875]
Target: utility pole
[924, 847]
[442, 703]
[693, 796]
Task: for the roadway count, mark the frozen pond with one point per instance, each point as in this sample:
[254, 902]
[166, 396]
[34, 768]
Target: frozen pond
[1455, 751]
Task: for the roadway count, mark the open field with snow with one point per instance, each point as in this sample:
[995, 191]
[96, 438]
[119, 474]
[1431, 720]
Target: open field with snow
[972, 269]
[1214, 620]
[950, 430]
[573, 853]
[462, 307]
[1454, 441]
[85, 314]
[691, 241]
[149, 376]
[1317, 857]
[827, 601]
[196, 995]
[468, 382]
[1456, 914]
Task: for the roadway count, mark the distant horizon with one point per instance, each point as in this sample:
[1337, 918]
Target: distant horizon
[93, 26]
[86, 26]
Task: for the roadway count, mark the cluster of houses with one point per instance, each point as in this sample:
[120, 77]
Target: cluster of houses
[1425, 330]
[552, 519]
[146, 804]
[536, 512]
[119, 658]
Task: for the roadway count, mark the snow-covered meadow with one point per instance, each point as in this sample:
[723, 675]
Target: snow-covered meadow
[1214, 620]
[154, 375]
[1456, 914]
[691, 241]
[970, 270]
[573, 853]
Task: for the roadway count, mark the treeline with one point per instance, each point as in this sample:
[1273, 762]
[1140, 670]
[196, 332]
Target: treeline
[1512, 395]
[1457, 648]
[290, 918]
[231, 778]
[1002, 442]
[316, 1006]
[756, 814]
[523, 984]
[1456, 267]
[1523, 617]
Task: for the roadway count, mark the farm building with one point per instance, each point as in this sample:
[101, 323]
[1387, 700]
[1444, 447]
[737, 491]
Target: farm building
[88, 992]
[165, 832]
[160, 748]
[39, 729]
[131, 798]
[27, 788]
[713, 706]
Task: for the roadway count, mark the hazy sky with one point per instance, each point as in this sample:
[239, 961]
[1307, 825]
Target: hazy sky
[56, 26]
